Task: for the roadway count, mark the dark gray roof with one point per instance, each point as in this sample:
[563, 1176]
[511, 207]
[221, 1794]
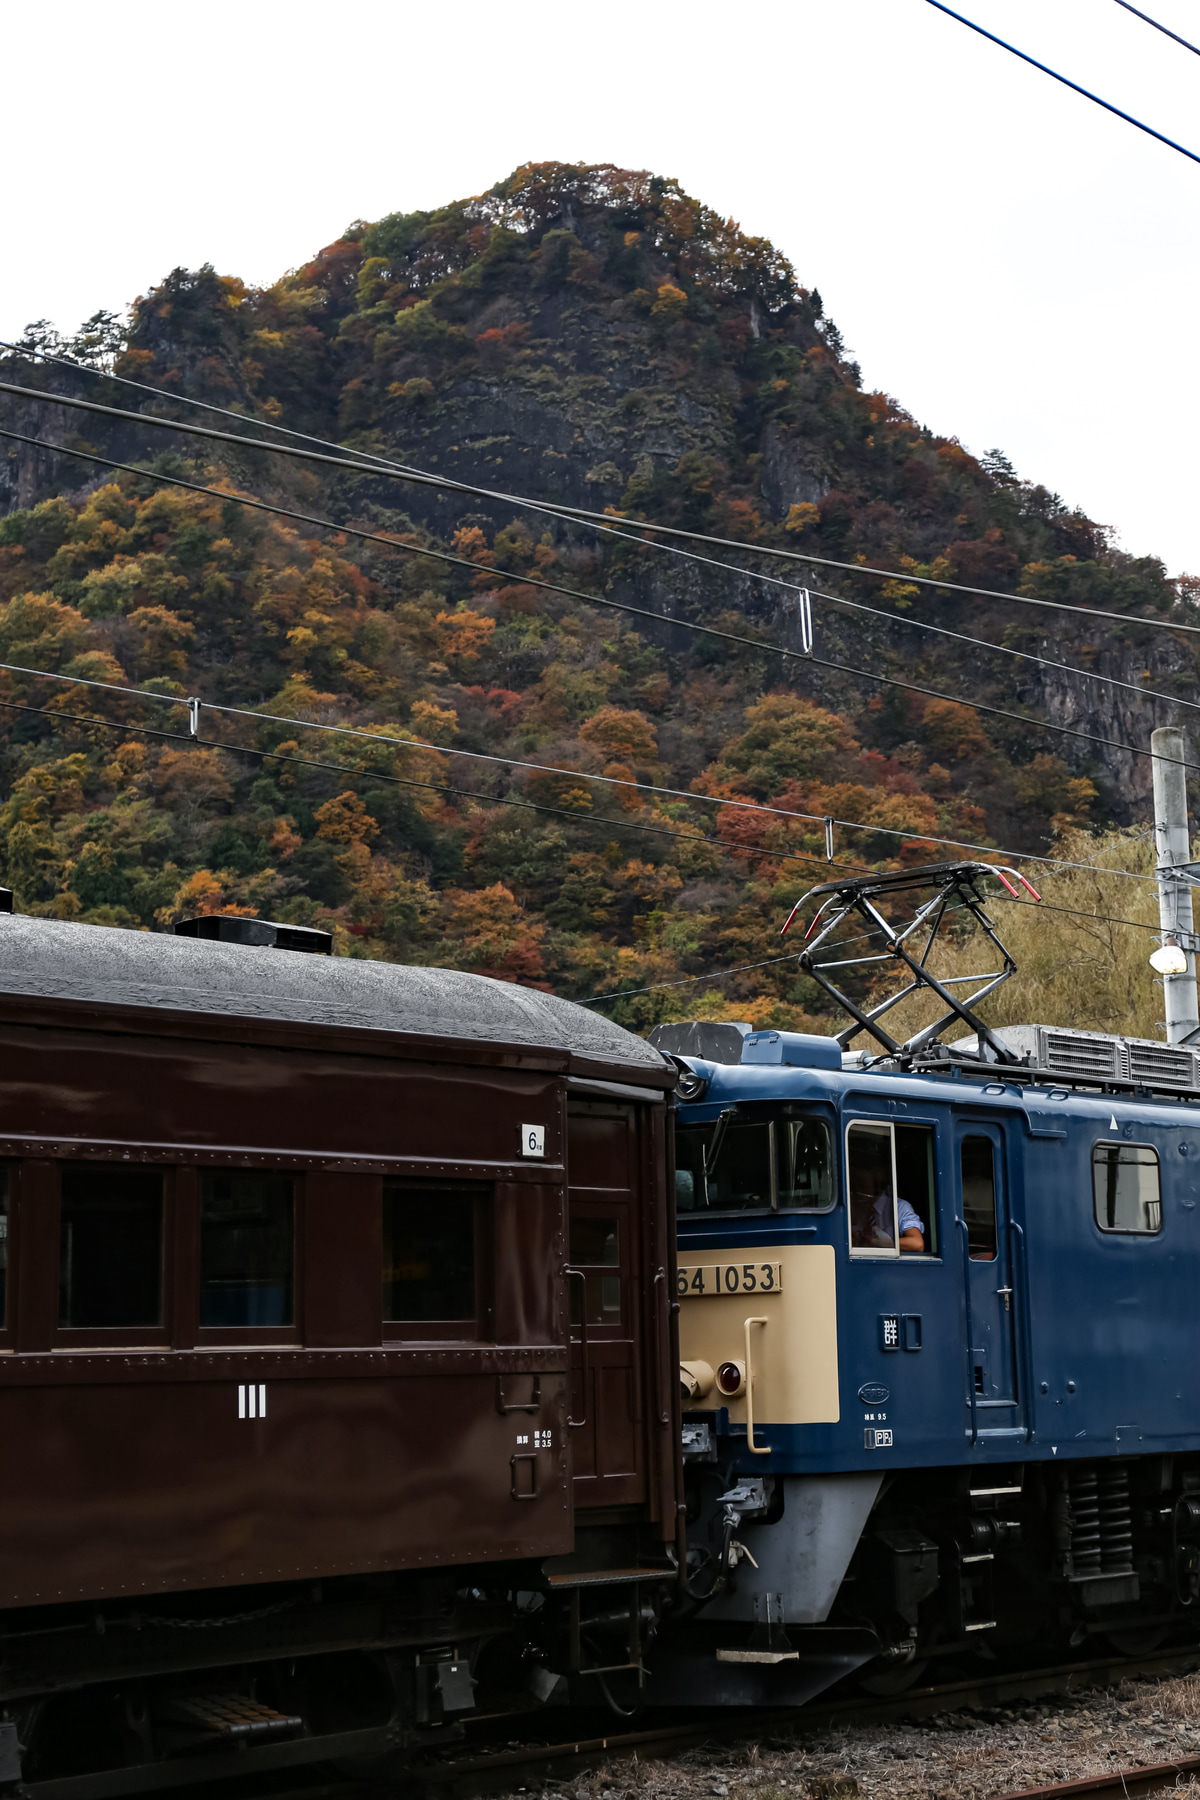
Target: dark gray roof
[107, 966]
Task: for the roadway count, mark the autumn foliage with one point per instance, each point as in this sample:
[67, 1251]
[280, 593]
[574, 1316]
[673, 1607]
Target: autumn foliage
[592, 335]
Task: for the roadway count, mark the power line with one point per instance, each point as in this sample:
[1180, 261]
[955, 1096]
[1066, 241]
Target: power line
[1086, 92]
[308, 762]
[644, 612]
[28, 351]
[339, 769]
[616, 605]
[625, 536]
[393, 543]
[689, 980]
[408, 743]
[614, 531]
[376, 537]
[1158, 27]
[742, 968]
[572, 514]
[962, 637]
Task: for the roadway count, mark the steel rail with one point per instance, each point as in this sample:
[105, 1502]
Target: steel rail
[980, 1692]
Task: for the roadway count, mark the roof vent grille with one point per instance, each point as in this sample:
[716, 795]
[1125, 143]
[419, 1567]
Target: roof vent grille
[1158, 1063]
[1073, 1053]
[264, 934]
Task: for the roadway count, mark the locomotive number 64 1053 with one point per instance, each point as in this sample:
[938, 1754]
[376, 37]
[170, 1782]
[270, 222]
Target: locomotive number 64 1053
[730, 1278]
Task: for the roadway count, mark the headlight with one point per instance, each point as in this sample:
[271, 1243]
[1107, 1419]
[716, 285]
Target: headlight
[692, 1084]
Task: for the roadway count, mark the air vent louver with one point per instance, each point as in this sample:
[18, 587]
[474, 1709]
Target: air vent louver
[1074, 1053]
[1157, 1064]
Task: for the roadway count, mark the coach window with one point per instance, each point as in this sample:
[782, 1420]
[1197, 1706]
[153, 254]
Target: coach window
[596, 1252]
[431, 1235]
[890, 1184]
[110, 1248]
[247, 1249]
[3, 1246]
[1125, 1188]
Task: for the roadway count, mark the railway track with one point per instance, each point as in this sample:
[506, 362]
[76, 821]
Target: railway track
[1130, 1784]
[478, 1768]
[458, 1775]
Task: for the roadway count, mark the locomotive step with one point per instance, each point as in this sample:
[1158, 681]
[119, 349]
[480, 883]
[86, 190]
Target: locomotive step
[231, 1716]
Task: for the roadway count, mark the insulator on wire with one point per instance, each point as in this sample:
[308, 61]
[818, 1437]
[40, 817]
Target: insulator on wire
[806, 624]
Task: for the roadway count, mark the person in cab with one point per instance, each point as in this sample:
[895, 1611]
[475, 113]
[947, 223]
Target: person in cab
[873, 1219]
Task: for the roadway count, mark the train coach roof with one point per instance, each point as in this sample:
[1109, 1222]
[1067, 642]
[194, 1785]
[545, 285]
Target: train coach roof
[95, 965]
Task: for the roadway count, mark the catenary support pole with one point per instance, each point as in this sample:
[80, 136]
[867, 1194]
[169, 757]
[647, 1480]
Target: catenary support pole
[1173, 852]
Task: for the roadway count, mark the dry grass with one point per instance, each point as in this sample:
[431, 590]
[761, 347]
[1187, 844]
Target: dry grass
[963, 1756]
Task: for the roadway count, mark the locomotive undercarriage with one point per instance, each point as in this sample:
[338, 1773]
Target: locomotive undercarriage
[362, 1672]
[949, 1563]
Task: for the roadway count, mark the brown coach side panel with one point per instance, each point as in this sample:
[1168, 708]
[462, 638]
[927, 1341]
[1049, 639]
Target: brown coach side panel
[285, 1242]
[142, 1478]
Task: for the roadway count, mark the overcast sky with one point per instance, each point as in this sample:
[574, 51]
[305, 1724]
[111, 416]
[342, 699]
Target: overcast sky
[1017, 266]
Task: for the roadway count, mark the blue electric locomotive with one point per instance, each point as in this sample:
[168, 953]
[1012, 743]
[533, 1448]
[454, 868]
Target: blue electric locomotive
[938, 1342]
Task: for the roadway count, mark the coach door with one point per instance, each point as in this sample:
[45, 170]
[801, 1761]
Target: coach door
[992, 1390]
[607, 1423]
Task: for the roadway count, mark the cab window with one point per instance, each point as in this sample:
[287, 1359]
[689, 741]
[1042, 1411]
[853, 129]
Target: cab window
[754, 1165]
[1125, 1188]
[804, 1164]
[890, 1184]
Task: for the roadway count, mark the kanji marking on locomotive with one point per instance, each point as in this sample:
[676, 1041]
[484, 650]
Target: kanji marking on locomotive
[252, 1400]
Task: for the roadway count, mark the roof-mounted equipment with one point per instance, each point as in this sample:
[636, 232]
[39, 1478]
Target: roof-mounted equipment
[262, 934]
[956, 887]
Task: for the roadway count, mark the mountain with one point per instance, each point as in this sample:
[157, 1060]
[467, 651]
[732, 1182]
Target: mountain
[585, 336]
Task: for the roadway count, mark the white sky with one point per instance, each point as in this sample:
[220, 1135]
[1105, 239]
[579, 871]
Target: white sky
[1015, 265]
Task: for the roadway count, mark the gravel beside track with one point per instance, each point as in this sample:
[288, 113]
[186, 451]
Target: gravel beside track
[967, 1755]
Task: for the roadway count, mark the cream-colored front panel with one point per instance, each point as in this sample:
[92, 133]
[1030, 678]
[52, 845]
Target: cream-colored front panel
[794, 1355]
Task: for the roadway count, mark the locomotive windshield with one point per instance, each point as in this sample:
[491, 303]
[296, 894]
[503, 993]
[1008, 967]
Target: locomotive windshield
[754, 1165]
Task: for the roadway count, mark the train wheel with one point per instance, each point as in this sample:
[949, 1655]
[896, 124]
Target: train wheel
[895, 1680]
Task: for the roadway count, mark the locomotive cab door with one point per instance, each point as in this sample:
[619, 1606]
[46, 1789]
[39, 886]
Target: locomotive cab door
[607, 1422]
[992, 1361]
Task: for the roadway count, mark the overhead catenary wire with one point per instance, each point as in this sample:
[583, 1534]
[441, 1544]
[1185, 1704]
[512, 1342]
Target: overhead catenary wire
[1067, 82]
[373, 774]
[1165, 31]
[654, 987]
[309, 725]
[342, 769]
[617, 605]
[29, 351]
[615, 530]
[750, 575]
[353, 462]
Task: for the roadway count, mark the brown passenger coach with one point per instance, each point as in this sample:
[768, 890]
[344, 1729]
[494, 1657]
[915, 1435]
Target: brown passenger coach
[337, 1385]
